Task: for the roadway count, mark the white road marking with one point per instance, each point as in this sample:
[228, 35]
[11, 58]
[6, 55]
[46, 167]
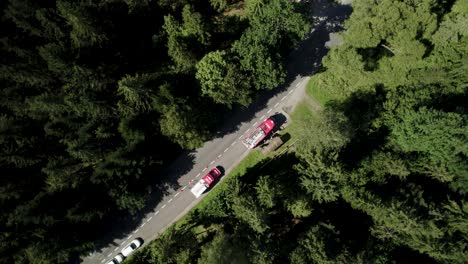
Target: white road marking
[263, 116]
[247, 131]
[276, 104]
[116, 249]
[134, 232]
[183, 188]
[170, 200]
[225, 150]
[282, 99]
[240, 137]
[109, 255]
[102, 261]
[157, 212]
[149, 219]
[255, 124]
[219, 156]
[204, 169]
[129, 237]
[162, 207]
[290, 92]
[123, 242]
[269, 111]
[176, 194]
[142, 225]
[233, 143]
[297, 84]
[197, 175]
[212, 162]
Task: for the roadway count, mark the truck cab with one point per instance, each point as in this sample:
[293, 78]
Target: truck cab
[201, 186]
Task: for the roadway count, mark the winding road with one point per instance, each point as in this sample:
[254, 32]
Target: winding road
[227, 151]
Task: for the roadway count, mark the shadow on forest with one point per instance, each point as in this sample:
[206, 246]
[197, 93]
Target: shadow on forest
[361, 109]
[303, 61]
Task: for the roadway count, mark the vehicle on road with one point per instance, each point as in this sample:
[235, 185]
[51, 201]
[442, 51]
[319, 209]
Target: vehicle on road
[117, 259]
[200, 187]
[136, 243]
[259, 133]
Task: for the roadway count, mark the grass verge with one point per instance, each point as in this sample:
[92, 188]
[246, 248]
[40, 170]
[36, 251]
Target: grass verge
[314, 91]
[302, 113]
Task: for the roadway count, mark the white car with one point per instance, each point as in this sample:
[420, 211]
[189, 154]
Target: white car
[117, 259]
[136, 243]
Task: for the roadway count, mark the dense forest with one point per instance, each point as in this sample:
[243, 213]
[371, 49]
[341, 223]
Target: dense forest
[97, 97]
[381, 172]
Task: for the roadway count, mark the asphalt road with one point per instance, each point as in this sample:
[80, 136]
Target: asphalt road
[227, 150]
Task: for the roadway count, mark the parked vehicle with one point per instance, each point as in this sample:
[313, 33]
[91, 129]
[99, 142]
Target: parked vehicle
[136, 243]
[117, 259]
[200, 187]
[258, 134]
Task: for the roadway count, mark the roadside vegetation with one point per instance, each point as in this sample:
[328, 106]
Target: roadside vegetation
[98, 97]
[380, 173]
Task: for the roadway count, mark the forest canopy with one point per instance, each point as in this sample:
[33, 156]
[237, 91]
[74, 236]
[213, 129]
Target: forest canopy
[98, 97]
[379, 175]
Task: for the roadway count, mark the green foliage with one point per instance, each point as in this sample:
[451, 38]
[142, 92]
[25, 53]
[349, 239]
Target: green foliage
[178, 49]
[395, 42]
[267, 192]
[260, 46]
[386, 19]
[254, 7]
[84, 30]
[220, 5]
[194, 25]
[137, 5]
[406, 161]
[174, 246]
[186, 39]
[321, 180]
[320, 172]
[136, 94]
[179, 123]
[22, 14]
[231, 253]
[439, 136]
[248, 211]
[211, 70]
[222, 80]
[312, 248]
[300, 207]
